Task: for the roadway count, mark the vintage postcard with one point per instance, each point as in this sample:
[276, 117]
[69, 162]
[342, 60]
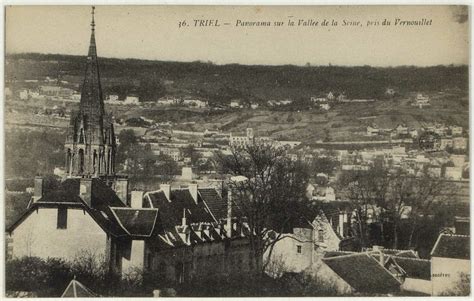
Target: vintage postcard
[236, 151]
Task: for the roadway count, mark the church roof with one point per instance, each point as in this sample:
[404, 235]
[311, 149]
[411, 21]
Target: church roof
[92, 103]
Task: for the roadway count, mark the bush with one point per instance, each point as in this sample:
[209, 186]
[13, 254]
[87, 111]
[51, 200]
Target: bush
[48, 278]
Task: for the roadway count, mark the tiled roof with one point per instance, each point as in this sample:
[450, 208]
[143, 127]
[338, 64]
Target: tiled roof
[414, 267]
[181, 202]
[363, 273]
[452, 246]
[136, 222]
[216, 204]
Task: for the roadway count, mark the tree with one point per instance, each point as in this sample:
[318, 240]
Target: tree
[167, 168]
[269, 189]
[396, 193]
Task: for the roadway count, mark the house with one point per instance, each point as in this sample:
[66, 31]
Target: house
[166, 101]
[413, 133]
[445, 143]
[456, 130]
[413, 273]
[341, 97]
[453, 173]
[318, 99]
[23, 94]
[302, 248]
[460, 143]
[324, 106]
[372, 130]
[236, 103]
[153, 231]
[254, 105]
[390, 92]
[362, 273]
[112, 97]
[195, 103]
[450, 261]
[131, 100]
[401, 129]
[180, 235]
[421, 101]
[8, 92]
[330, 96]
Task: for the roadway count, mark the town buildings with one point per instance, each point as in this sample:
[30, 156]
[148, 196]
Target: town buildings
[180, 235]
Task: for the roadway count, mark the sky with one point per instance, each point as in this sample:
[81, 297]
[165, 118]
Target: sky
[153, 32]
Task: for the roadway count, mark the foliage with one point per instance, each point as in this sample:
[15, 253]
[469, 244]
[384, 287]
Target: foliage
[462, 286]
[250, 83]
[397, 194]
[33, 153]
[46, 277]
[269, 189]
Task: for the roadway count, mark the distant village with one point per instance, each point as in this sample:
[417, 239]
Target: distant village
[195, 227]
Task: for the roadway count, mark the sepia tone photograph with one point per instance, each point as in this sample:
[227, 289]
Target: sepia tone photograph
[236, 151]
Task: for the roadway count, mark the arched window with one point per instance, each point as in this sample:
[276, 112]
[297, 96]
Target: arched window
[81, 136]
[81, 161]
[94, 161]
[68, 160]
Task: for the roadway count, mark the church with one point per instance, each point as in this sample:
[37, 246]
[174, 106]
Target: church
[180, 234]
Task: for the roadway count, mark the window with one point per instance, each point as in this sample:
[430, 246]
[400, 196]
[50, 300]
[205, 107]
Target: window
[320, 236]
[298, 249]
[62, 218]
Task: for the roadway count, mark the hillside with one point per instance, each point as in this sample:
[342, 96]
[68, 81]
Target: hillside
[220, 83]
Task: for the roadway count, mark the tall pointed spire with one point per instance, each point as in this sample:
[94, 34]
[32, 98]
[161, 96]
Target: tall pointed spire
[91, 98]
[92, 46]
[90, 145]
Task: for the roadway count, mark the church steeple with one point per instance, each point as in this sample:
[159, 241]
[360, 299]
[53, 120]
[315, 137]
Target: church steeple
[92, 102]
[90, 144]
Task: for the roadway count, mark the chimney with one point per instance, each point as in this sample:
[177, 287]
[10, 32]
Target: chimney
[340, 226]
[38, 191]
[228, 226]
[187, 174]
[183, 220]
[193, 190]
[137, 199]
[166, 188]
[85, 190]
[380, 249]
[121, 189]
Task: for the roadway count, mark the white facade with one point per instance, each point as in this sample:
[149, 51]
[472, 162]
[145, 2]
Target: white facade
[38, 235]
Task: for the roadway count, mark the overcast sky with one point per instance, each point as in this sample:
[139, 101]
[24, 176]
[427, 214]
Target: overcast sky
[152, 32]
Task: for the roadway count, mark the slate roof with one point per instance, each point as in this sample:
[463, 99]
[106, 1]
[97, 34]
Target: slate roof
[330, 254]
[171, 212]
[452, 246]
[136, 222]
[67, 195]
[363, 273]
[75, 289]
[414, 267]
[216, 204]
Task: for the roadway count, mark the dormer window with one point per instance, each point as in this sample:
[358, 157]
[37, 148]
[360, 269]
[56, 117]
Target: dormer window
[320, 235]
[62, 218]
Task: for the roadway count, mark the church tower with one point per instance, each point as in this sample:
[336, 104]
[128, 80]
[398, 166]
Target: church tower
[90, 144]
